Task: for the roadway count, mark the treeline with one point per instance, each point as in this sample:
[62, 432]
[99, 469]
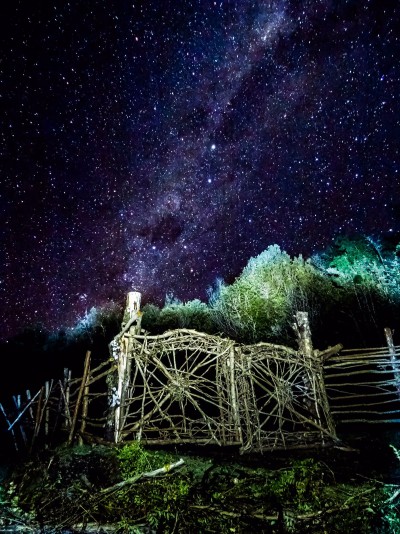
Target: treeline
[351, 291]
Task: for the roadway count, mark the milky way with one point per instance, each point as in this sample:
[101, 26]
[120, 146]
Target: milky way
[158, 145]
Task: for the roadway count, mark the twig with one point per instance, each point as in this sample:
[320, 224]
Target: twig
[23, 411]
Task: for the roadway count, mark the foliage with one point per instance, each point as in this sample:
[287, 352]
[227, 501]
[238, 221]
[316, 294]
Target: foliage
[260, 304]
[64, 487]
[367, 275]
[362, 263]
[98, 321]
[299, 485]
[390, 510]
[11, 513]
[193, 314]
[353, 286]
[134, 459]
[159, 500]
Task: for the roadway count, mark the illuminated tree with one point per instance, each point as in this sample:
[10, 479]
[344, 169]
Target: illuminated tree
[260, 304]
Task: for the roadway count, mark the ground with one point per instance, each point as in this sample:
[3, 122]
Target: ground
[335, 490]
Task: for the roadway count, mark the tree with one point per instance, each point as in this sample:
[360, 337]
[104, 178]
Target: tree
[260, 304]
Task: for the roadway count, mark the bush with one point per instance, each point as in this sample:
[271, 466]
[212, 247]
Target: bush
[367, 275]
[351, 292]
[260, 304]
[193, 314]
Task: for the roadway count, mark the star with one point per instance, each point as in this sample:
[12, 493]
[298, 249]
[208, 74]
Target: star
[138, 143]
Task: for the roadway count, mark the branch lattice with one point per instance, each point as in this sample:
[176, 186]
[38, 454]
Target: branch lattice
[190, 387]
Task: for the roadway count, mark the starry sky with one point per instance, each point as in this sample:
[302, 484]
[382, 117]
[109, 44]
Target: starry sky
[155, 145]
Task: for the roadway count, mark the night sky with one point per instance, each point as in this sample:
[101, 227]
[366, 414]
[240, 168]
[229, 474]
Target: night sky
[155, 145]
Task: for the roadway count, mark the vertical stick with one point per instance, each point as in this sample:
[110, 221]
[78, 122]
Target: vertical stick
[218, 382]
[119, 381]
[112, 398]
[29, 397]
[235, 411]
[80, 394]
[121, 388]
[139, 434]
[47, 413]
[85, 408]
[315, 393]
[67, 415]
[66, 386]
[393, 359]
[37, 419]
[132, 311]
[303, 331]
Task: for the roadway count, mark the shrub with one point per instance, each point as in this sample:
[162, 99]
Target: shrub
[260, 304]
[193, 314]
[367, 275]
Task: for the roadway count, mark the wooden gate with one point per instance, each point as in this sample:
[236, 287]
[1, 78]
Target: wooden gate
[189, 387]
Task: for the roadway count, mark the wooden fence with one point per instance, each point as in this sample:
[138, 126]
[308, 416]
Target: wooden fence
[59, 410]
[363, 385]
[189, 387]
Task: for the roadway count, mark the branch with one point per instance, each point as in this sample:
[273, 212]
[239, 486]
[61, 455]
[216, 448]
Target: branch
[331, 351]
[23, 411]
[150, 474]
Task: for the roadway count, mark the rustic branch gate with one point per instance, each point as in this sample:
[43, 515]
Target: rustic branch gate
[189, 387]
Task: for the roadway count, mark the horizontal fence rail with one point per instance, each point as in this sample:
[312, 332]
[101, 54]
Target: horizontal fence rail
[363, 385]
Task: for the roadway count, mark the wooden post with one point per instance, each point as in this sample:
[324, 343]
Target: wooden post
[133, 318]
[66, 388]
[315, 398]
[393, 359]
[37, 419]
[120, 349]
[132, 311]
[29, 398]
[47, 412]
[85, 408]
[233, 393]
[86, 371]
[303, 331]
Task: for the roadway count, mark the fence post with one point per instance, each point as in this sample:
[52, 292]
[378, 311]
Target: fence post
[65, 390]
[315, 398]
[233, 394]
[118, 381]
[37, 419]
[81, 391]
[303, 331]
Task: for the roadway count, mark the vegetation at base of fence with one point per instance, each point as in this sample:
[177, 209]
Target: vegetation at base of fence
[134, 489]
